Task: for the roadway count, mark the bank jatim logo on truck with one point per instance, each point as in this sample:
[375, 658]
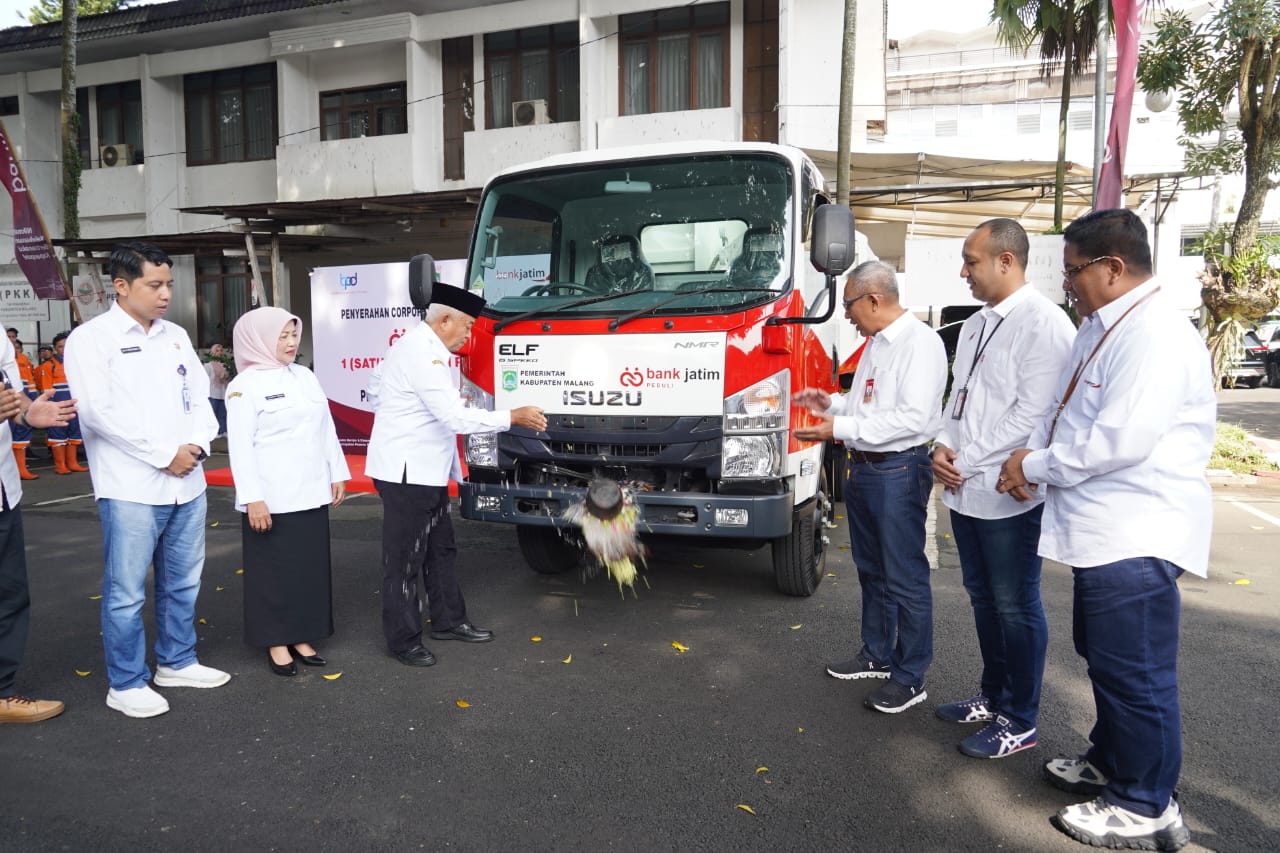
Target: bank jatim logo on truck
[631, 378]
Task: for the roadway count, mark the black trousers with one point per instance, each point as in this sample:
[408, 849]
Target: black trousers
[417, 542]
[15, 600]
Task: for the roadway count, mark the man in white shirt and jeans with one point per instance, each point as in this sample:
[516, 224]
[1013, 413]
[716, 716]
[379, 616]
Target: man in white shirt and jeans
[144, 410]
[412, 455]
[1007, 364]
[1129, 509]
[886, 420]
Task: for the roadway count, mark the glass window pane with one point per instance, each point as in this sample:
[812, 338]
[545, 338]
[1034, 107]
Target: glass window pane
[357, 124]
[500, 41]
[636, 23]
[500, 91]
[713, 15]
[110, 130]
[230, 130]
[260, 125]
[535, 37]
[330, 100]
[568, 82]
[390, 120]
[710, 72]
[331, 125]
[199, 130]
[635, 69]
[535, 74]
[672, 19]
[673, 73]
[133, 125]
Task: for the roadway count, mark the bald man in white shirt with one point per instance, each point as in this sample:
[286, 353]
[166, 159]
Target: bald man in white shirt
[886, 421]
[1007, 363]
[1128, 507]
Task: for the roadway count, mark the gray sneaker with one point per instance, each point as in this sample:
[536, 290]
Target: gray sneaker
[1075, 776]
[859, 667]
[1101, 824]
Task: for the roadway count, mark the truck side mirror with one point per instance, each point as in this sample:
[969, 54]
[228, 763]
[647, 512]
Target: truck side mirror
[422, 274]
[832, 247]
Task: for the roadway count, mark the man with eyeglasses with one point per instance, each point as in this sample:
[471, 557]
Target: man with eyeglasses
[1122, 459]
[886, 421]
[1007, 363]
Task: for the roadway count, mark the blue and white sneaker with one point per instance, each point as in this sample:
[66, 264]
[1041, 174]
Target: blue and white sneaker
[998, 739]
[976, 709]
[1101, 824]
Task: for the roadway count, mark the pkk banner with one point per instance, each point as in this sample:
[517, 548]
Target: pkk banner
[30, 241]
[1128, 15]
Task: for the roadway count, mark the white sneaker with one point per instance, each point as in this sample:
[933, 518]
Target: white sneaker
[137, 702]
[1101, 824]
[192, 675]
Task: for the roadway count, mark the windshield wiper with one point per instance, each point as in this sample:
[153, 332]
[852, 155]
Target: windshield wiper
[640, 312]
[589, 300]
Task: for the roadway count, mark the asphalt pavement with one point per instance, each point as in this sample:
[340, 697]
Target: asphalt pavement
[601, 735]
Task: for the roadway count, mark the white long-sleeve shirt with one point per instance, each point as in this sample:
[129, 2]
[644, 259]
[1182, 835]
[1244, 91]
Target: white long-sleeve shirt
[8, 465]
[1126, 470]
[896, 397]
[142, 394]
[283, 444]
[1024, 342]
[420, 414]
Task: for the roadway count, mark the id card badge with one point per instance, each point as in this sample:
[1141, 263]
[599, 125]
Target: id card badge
[868, 390]
[186, 390]
[957, 409]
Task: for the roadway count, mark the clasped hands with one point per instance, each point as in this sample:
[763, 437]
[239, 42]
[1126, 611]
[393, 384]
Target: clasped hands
[1012, 481]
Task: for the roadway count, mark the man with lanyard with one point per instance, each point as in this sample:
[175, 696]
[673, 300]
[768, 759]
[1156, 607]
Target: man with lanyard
[412, 455]
[144, 398]
[21, 431]
[64, 441]
[1009, 357]
[15, 598]
[891, 413]
[1129, 509]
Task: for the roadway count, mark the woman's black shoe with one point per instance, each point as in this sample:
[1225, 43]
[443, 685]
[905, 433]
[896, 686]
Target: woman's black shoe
[309, 660]
[289, 668]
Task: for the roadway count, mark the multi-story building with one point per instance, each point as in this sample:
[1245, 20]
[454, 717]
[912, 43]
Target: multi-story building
[334, 131]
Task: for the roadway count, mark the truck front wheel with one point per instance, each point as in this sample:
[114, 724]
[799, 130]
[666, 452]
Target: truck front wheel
[546, 551]
[800, 558]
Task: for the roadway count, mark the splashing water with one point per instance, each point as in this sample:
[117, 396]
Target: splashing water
[613, 541]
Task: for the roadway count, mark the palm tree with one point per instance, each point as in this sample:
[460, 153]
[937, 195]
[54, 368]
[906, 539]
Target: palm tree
[1068, 32]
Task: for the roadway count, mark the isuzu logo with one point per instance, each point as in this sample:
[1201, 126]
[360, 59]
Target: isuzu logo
[602, 398]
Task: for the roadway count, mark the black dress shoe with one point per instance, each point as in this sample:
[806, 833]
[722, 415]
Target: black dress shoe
[416, 656]
[466, 632]
[309, 660]
[285, 669]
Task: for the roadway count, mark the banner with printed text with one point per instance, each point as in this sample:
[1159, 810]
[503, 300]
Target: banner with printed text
[31, 247]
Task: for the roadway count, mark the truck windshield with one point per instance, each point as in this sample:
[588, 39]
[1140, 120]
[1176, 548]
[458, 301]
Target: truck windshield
[717, 227]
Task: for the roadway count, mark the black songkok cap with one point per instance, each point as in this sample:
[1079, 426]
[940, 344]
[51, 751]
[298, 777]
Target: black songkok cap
[465, 301]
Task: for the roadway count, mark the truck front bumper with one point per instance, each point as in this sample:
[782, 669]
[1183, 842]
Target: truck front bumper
[677, 514]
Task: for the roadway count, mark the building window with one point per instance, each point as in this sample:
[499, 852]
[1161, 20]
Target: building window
[353, 113]
[82, 139]
[231, 115]
[224, 289]
[9, 105]
[120, 116]
[537, 63]
[1080, 120]
[675, 59]
[1028, 119]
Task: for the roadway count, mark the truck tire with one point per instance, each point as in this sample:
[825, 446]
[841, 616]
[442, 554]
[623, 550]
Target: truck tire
[800, 558]
[546, 551]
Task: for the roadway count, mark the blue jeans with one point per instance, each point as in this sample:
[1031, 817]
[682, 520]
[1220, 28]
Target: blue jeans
[886, 503]
[1125, 621]
[134, 537]
[220, 412]
[1001, 572]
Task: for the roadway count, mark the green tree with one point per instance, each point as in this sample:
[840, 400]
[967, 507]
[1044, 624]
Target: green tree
[49, 11]
[1230, 60]
[1067, 31]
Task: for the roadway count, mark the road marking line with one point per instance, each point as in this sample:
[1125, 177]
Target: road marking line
[1259, 513]
[62, 500]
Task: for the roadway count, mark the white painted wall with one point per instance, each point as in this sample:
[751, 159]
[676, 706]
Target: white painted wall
[488, 152]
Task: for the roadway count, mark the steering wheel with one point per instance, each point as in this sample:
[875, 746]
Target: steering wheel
[559, 288]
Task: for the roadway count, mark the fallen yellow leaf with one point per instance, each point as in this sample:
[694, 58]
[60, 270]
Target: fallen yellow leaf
[831, 574]
[569, 659]
[699, 566]
[946, 536]
[333, 676]
[239, 571]
[800, 730]
[203, 621]
[94, 597]
[83, 672]
[215, 524]
[746, 808]
[535, 639]
[797, 627]
[762, 769]
[679, 646]
[463, 703]
[219, 588]
[1242, 582]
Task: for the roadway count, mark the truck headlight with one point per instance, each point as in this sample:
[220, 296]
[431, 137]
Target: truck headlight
[481, 448]
[756, 420]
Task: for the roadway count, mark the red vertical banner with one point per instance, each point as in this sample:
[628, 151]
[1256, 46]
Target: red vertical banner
[31, 244]
[1128, 15]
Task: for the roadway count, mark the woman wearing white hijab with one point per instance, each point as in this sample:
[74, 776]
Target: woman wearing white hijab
[289, 469]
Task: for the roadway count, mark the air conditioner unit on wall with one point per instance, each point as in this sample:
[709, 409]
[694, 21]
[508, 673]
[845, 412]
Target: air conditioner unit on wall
[524, 113]
[116, 155]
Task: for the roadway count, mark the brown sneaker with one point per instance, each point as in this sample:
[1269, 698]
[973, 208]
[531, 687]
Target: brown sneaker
[20, 709]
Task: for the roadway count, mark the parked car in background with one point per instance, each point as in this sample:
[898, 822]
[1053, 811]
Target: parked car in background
[1270, 338]
[1252, 368]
